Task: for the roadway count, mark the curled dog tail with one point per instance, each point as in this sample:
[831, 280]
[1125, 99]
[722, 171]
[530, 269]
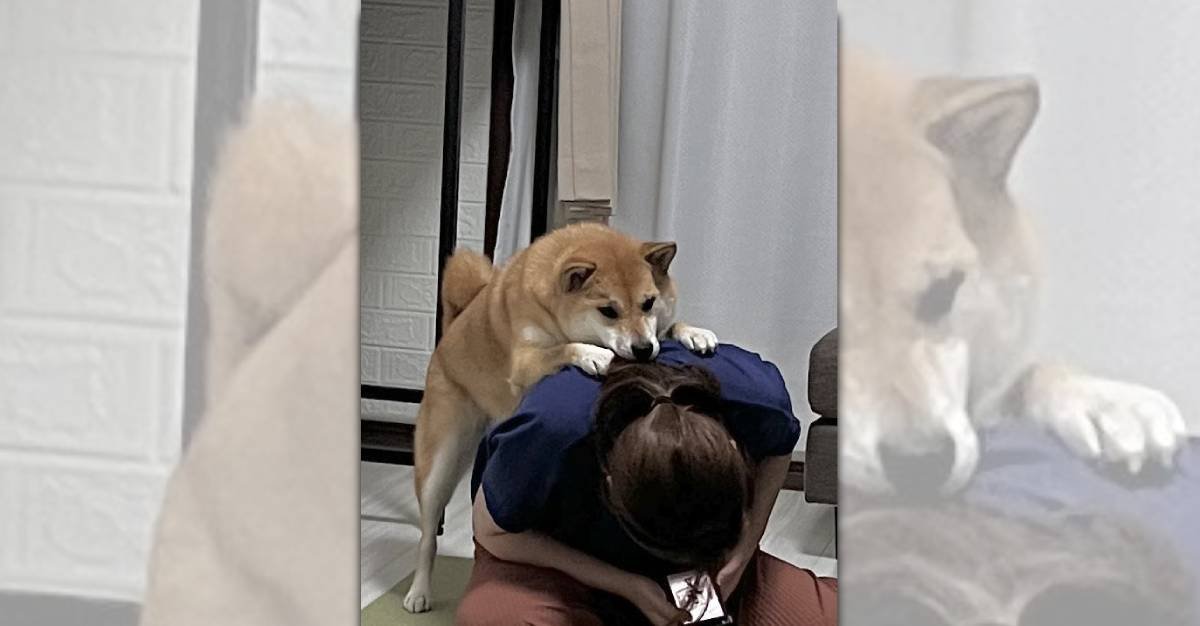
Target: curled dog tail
[465, 275]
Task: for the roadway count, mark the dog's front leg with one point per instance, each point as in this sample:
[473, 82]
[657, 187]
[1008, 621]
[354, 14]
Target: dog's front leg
[532, 363]
[698, 340]
[1101, 419]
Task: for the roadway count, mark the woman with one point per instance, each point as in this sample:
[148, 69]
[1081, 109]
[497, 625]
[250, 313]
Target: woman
[596, 491]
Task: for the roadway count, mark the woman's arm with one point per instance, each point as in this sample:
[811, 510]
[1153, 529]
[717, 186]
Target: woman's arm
[768, 480]
[534, 548]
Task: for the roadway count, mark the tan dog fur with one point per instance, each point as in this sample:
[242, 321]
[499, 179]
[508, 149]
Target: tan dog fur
[505, 329]
[939, 282]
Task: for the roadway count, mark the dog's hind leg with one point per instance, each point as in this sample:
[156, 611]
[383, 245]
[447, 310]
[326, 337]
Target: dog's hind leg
[449, 426]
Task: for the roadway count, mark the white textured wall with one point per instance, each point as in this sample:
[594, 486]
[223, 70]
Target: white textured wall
[96, 104]
[401, 82]
[307, 49]
[1108, 171]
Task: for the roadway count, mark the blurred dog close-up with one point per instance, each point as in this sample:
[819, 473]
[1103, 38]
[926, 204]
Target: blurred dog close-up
[939, 288]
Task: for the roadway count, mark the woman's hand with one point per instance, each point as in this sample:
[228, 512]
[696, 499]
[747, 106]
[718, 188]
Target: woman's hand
[652, 601]
[731, 575]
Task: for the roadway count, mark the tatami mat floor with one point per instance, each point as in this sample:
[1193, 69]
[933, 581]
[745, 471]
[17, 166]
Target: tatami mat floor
[798, 532]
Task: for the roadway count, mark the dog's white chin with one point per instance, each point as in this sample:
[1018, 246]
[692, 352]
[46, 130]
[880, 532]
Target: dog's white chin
[624, 349]
[624, 353]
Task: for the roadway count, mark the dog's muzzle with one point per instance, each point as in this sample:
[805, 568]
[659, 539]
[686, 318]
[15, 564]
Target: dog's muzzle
[643, 351]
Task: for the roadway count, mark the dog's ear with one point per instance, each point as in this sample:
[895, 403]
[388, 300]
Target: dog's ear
[659, 255]
[978, 123]
[575, 275]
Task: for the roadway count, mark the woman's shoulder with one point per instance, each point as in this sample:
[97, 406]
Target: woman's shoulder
[745, 376]
[725, 355]
[559, 407]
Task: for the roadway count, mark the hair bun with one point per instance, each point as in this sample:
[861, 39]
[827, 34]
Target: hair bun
[633, 390]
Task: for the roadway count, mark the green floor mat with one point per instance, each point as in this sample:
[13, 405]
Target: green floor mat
[450, 577]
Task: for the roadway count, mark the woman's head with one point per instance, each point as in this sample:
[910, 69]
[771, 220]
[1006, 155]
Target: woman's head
[675, 478]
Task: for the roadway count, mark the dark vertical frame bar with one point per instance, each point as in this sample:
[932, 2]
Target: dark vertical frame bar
[539, 221]
[500, 121]
[451, 140]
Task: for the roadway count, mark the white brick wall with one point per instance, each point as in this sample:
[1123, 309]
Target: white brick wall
[96, 121]
[307, 48]
[401, 74]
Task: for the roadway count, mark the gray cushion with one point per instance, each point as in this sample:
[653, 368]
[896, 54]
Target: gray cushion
[822, 375]
[821, 449]
[821, 461]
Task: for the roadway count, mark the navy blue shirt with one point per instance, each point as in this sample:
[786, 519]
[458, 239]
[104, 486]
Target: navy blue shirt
[538, 469]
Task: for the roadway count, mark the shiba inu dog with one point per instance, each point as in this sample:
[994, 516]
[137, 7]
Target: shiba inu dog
[580, 295]
[939, 283]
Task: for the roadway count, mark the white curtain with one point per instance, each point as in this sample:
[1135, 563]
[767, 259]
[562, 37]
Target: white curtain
[1111, 169]
[728, 145]
[512, 233]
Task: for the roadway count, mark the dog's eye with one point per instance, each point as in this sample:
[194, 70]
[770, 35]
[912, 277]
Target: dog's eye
[648, 304]
[609, 312]
[938, 298]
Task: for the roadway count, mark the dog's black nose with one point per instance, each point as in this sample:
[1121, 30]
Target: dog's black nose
[643, 351]
[918, 476]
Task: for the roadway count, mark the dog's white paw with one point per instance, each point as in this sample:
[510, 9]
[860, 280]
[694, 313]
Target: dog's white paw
[1109, 420]
[592, 359]
[417, 599]
[698, 340]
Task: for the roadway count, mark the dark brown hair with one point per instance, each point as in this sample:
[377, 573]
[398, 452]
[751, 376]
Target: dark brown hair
[677, 482]
[1053, 563]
